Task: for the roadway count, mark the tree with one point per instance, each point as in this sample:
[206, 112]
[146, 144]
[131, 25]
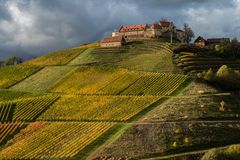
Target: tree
[234, 40]
[223, 72]
[209, 76]
[10, 61]
[13, 61]
[1, 63]
[219, 48]
[188, 33]
[163, 19]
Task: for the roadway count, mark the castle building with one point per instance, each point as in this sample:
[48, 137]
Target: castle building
[132, 31]
[153, 31]
[116, 41]
[161, 29]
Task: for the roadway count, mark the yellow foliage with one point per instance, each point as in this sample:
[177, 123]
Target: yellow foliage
[111, 108]
[56, 140]
[174, 144]
[186, 140]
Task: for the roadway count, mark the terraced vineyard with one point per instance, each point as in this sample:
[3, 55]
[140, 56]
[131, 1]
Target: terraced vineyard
[97, 108]
[120, 84]
[113, 50]
[190, 62]
[84, 58]
[12, 74]
[7, 129]
[57, 58]
[108, 103]
[145, 84]
[92, 80]
[155, 84]
[115, 81]
[152, 45]
[152, 55]
[44, 79]
[149, 56]
[5, 111]
[29, 109]
[55, 140]
[150, 63]
[101, 56]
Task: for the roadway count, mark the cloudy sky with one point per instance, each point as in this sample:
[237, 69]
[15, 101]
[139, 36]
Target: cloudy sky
[32, 27]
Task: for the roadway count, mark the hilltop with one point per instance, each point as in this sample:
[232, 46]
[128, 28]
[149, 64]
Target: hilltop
[128, 102]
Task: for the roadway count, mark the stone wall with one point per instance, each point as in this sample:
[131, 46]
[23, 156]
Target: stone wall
[111, 44]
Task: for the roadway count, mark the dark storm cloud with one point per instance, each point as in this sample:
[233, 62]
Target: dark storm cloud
[3, 11]
[33, 27]
[179, 4]
[40, 26]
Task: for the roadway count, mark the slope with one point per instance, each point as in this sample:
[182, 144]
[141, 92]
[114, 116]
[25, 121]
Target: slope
[112, 102]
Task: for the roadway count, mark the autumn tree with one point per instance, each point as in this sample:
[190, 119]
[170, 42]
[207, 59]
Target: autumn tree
[209, 76]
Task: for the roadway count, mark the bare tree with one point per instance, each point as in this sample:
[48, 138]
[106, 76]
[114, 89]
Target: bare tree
[164, 19]
[235, 40]
[189, 34]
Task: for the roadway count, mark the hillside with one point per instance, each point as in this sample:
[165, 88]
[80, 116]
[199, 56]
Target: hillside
[190, 62]
[129, 102]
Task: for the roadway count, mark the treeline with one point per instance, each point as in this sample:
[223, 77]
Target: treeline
[11, 61]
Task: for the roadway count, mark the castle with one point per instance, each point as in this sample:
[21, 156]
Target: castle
[161, 29]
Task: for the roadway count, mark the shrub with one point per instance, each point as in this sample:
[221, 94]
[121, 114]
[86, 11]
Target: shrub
[209, 76]
[214, 154]
[174, 144]
[228, 77]
[229, 153]
[233, 151]
[225, 77]
[223, 72]
[219, 48]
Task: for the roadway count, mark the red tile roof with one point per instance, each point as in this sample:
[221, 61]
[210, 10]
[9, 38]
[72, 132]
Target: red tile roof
[140, 27]
[156, 26]
[112, 39]
[165, 24]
